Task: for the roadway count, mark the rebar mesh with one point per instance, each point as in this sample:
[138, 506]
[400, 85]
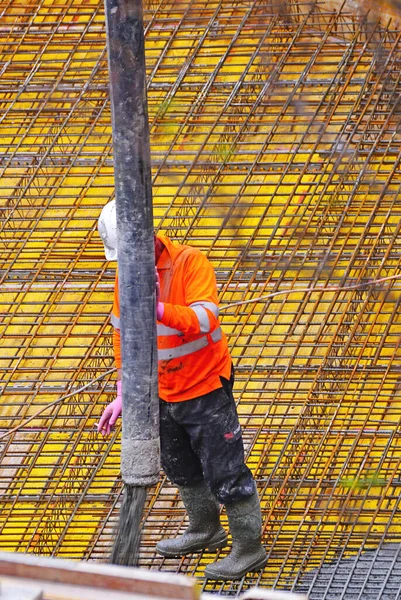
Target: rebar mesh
[276, 140]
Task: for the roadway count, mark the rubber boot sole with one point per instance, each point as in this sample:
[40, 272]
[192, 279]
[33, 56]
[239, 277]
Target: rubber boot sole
[258, 565]
[216, 543]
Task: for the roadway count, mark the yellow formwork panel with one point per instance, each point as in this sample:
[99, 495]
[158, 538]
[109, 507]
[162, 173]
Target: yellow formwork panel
[275, 150]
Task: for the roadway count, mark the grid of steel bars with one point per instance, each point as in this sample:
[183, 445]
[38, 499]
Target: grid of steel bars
[276, 141]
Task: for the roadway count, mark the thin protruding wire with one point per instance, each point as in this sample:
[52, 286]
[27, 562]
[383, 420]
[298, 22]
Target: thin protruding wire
[309, 290]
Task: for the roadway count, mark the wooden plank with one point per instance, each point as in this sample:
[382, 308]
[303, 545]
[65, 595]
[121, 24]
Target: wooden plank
[62, 591]
[98, 576]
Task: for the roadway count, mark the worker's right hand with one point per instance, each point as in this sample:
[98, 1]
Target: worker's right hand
[111, 412]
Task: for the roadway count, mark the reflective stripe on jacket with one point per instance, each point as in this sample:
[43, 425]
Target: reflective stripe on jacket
[192, 348]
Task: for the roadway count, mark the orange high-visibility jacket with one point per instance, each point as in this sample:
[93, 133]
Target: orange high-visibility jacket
[192, 348]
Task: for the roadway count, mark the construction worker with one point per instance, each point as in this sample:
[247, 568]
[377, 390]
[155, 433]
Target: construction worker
[202, 450]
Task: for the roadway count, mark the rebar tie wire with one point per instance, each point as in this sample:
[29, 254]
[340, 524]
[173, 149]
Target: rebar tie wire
[306, 290]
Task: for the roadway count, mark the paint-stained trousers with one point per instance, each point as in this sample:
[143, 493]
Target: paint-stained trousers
[202, 439]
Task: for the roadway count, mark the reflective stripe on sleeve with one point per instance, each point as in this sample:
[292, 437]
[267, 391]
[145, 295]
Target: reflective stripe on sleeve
[203, 318]
[214, 309]
[190, 347]
[115, 321]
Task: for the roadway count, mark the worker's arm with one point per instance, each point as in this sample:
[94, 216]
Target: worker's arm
[200, 315]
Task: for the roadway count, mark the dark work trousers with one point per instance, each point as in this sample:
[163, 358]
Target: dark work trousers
[202, 439]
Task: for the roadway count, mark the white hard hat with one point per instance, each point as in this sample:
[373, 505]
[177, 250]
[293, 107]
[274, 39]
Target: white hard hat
[107, 226]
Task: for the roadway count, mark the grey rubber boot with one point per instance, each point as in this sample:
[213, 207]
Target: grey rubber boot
[247, 553]
[204, 531]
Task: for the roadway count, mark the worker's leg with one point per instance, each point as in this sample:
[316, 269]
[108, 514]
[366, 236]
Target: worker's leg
[179, 461]
[215, 436]
[184, 469]
[212, 424]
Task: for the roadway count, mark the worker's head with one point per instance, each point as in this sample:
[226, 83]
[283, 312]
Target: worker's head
[107, 226]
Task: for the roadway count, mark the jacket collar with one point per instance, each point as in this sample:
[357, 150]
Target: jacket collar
[173, 249]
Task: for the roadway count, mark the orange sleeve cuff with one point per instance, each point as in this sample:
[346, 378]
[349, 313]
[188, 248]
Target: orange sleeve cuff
[117, 347]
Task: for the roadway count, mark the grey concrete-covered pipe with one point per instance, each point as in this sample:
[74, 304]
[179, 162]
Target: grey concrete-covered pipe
[140, 453]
